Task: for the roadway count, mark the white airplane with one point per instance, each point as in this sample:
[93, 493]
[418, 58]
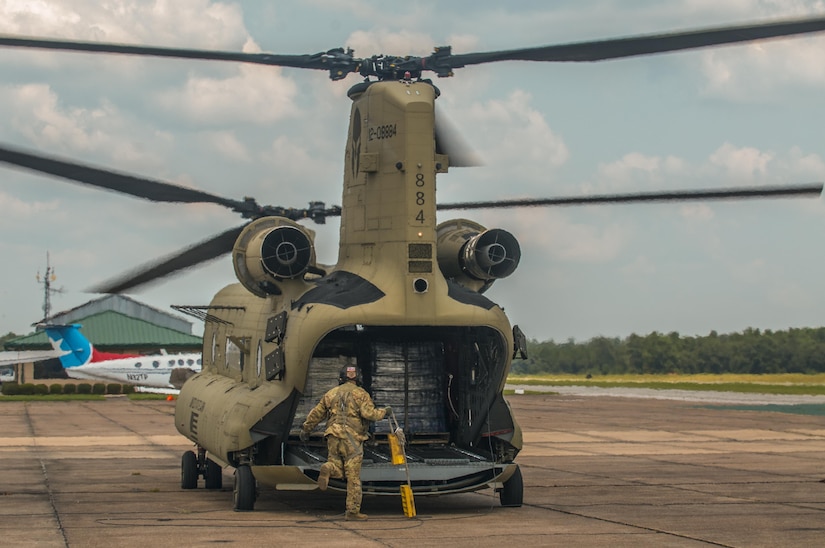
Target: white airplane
[9, 358]
[158, 372]
[12, 357]
[7, 373]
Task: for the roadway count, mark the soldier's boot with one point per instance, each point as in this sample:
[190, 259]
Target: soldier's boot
[356, 516]
[323, 477]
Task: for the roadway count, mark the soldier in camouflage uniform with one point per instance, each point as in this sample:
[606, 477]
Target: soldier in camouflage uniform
[347, 409]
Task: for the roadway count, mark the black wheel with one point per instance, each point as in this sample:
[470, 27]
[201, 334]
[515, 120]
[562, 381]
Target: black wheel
[512, 494]
[189, 471]
[244, 492]
[213, 475]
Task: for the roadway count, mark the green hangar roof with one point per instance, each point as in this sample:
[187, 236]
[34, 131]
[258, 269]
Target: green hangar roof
[111, 330]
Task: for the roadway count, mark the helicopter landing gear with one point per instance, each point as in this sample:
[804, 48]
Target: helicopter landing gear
[512, 493]
[193, 466]
[213, 475]
[189, 471]
[244, 493]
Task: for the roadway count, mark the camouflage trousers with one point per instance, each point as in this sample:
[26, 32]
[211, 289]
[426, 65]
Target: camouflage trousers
[346, 458]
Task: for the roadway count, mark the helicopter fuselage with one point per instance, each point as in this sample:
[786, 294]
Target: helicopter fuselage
[403, 302]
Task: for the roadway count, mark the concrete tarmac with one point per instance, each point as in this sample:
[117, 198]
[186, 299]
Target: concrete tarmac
[598, 471]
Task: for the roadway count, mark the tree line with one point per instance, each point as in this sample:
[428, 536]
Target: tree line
[753, 351]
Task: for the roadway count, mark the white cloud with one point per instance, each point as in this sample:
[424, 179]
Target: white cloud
[755, 71]
[37, 114]
[635, 169]
[383, 41]
[190, 23]
[295, 160]
[256, 95]
[562, 239]
[227, 144]
[511, 130]
[589, 243]
[13, 210]
[808, 165]
[413, 15]
[741, 164]
[728, 165]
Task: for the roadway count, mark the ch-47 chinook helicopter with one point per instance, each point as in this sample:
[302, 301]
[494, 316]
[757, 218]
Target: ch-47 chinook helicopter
[405, 301]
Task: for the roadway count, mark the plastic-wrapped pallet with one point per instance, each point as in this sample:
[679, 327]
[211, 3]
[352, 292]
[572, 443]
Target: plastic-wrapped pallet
[409, 376]
[323, 375]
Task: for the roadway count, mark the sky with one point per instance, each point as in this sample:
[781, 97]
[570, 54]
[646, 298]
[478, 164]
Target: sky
[715, 118]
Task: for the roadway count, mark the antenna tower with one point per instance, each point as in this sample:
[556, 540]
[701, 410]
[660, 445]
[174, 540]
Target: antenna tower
[47, 280]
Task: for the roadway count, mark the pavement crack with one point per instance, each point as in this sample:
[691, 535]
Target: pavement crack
[46, 482]
[633, 525]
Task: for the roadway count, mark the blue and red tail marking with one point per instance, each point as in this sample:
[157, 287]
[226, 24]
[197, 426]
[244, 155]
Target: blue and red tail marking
[75, 348]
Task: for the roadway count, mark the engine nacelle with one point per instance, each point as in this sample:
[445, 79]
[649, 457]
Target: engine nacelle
[271, 249]
[474, 256]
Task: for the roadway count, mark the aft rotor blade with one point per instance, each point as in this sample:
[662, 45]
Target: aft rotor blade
[199, 253]
[450, 141]
[155, 191]
[743, 193]
[315, 61]
[631, 46]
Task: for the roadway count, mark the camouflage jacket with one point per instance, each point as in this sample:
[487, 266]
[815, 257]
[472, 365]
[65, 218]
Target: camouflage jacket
[347, 409]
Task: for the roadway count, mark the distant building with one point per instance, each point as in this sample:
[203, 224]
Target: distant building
[115, 323]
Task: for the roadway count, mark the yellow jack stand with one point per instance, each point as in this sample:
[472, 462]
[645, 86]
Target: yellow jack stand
[399, 457]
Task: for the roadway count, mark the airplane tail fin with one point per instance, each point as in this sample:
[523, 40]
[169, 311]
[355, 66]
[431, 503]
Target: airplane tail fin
[75, 348]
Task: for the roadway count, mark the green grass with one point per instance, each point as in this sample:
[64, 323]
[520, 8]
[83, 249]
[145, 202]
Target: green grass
[508, 392]
[78, 397]
[54, 397]
[788, 383]
[799, 409]
[793, 384]
[143, 396]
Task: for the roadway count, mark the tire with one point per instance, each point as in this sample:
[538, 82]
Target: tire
[244, 491]
[189, 471]
[214, 475]
[512, 493]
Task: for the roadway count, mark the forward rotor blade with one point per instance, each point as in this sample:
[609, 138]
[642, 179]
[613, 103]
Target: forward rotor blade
[194, 255]
[340, 63]
[315, 61]
[675, 196]
[631, 46]
[155, 191]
